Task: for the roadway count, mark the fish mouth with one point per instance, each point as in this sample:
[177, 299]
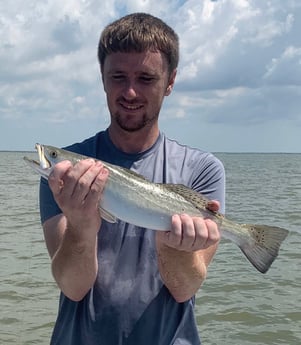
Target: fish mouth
[44, 162]
[32, 162]
[43, 166]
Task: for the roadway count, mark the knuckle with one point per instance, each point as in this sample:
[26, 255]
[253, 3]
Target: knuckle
[96, 188]
[215, 236]
[69, 175]
[190, 236]
[213, 232]
[99, 182]
[85, 162]
[82, 182]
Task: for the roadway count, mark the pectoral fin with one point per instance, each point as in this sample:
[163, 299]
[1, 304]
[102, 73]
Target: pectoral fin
[110, 218]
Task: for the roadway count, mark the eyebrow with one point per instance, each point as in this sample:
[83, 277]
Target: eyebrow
[148, 73]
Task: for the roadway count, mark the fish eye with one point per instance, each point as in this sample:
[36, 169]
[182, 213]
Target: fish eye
[53, 154]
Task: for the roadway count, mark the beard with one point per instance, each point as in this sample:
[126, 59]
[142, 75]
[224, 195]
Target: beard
[131, 124]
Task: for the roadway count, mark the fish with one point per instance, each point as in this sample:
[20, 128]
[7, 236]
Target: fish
[131, 198]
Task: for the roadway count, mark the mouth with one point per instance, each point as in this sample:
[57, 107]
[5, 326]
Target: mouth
[44, 162]
[131, 107]
[41, 166]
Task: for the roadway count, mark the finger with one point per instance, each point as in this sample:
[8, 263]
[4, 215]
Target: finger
[201, 233]
[73, 184]
[84, 185]
[175, 235]
[213, 205]
[214, 235]
[207, 233]
[98, 186]
[55, 179]
[188, 232]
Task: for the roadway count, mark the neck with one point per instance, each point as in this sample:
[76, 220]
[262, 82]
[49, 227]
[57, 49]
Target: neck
[134, 142]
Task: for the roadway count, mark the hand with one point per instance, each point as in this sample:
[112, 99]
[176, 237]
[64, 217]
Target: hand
[77, 190]
[191, 233]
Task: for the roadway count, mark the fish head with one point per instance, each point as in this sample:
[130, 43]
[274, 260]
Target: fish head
[48, 157]
[42, 166]
[51, 155]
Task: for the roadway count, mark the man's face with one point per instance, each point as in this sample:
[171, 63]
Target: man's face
[135, 85]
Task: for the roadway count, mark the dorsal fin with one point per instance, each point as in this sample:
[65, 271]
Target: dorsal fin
[195, 198]
[129, 172]
[137, 175]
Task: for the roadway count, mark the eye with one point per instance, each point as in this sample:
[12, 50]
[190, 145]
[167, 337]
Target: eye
[146, 79]
[118, 77]
[53, 154]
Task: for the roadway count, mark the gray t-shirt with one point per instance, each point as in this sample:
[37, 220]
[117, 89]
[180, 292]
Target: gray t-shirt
[129, 304]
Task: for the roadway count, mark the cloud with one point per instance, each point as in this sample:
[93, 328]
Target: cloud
[231, 42]
[285, 69]
[67, 35]
[240, 60]
[239, 64]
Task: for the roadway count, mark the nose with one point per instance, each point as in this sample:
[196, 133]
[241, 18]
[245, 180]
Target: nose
[130, 90]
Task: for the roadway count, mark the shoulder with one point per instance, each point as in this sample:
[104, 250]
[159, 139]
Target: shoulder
[199, 170]
[193, 157]
[89, 146]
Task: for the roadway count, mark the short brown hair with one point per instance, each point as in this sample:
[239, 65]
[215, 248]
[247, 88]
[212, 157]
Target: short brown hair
[139, 32]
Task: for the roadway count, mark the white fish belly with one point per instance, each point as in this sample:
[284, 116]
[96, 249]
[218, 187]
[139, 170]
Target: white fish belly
[134, 211]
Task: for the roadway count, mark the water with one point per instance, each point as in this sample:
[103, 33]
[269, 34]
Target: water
[237, 305]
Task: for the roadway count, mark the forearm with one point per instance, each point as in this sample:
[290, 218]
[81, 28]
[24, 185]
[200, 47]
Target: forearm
[183, 272]
[74, 265]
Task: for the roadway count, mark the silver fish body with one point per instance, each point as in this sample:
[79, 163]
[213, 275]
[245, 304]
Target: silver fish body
[130, 197]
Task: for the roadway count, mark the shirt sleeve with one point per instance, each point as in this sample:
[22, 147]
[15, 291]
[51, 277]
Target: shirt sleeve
[48, 206]
[210, 180]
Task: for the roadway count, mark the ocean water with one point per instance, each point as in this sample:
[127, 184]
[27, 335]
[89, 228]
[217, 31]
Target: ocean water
[236, 305]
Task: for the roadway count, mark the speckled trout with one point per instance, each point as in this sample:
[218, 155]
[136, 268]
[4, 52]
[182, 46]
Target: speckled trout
[131, 198]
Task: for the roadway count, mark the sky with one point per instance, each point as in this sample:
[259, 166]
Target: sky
[238, 87]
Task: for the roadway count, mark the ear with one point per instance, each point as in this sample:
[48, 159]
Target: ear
[171, 82]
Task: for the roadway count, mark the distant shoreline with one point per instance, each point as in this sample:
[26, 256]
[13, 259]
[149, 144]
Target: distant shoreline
[215, 153]
[16, 151]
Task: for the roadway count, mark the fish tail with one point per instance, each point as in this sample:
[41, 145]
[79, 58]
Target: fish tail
[264, 248]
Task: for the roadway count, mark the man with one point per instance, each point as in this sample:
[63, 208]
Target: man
[122, 284]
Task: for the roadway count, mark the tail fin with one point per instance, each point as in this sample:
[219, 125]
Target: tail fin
[264, 250]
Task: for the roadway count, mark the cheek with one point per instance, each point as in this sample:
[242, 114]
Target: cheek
[111, 93]
[156, 93]
[110, 102]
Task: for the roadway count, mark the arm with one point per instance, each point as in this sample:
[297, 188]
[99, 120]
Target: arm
[71, 237]
[185, 253]
[74, 261]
